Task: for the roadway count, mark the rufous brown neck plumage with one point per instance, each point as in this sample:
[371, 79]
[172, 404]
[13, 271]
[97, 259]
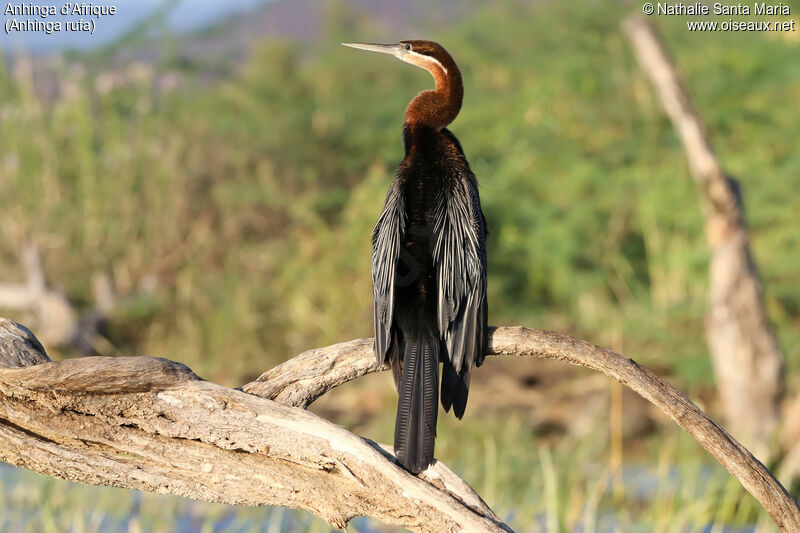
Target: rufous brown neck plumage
[438, 107]
[435, 108]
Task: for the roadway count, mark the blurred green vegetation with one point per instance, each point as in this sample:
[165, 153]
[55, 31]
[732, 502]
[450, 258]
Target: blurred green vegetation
[234, 213]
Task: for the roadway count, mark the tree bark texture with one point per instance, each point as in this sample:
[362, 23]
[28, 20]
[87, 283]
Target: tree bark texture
[152, 424]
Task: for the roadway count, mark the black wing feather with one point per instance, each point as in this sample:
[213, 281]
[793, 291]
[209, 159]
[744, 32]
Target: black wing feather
[385, 249]
[458, 251]
[460, 259]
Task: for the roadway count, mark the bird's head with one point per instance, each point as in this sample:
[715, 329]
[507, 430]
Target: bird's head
[437, 108]
[429, 55]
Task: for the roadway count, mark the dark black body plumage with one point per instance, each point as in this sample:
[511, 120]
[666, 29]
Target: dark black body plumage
[429, 284]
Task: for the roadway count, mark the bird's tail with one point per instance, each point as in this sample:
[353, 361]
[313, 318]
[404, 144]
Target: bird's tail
[455, 389]
[417, 405]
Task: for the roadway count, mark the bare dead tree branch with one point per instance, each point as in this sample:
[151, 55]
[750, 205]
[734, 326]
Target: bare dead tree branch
[304, 378]
[747, 361]
[308, 376]
[151, 424]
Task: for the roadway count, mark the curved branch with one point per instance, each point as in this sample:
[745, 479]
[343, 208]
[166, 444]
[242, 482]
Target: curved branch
[151, 424]
[304, 378]
[301, 380]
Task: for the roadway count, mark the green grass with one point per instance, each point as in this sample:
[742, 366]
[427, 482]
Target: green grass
[234, 216]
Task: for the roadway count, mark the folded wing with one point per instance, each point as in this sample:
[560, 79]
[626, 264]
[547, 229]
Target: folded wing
[460, 260]
[385, 250]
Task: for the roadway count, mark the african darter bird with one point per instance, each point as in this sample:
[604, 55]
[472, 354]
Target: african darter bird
[429, 261]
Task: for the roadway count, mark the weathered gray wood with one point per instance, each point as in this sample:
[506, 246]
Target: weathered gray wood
[151, 424]
[747, 361]
[18, 346]
[350, 360]
[306, 377]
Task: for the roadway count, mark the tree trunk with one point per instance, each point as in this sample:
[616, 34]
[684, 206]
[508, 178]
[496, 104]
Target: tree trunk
[748, 364]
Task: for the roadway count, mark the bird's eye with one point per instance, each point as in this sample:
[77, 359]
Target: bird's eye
[408, 47]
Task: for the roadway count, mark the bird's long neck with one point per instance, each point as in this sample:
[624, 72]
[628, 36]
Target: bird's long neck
[439, 107]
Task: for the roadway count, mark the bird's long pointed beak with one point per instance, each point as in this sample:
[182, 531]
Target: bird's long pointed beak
[393, 49]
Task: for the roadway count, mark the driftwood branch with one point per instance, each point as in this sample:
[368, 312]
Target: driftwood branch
[304, 378]
[152, 424]
[308, 376]
[747, 361]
